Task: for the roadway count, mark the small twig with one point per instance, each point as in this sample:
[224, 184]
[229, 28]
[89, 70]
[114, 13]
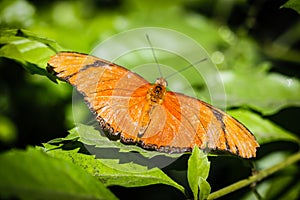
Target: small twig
[255, 178]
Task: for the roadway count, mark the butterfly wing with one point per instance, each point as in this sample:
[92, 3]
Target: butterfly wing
[107, 88]
[189, 121]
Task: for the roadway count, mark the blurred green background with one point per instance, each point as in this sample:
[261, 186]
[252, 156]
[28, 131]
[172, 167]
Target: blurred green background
[256, 42]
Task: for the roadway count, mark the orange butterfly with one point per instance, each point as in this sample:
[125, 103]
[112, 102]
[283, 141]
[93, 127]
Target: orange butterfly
[128, 106]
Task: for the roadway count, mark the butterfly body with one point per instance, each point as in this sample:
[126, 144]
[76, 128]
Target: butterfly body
[128, 106]
[155, 97]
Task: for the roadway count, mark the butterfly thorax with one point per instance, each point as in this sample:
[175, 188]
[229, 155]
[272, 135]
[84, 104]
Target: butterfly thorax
[155, 97]
[157, 92]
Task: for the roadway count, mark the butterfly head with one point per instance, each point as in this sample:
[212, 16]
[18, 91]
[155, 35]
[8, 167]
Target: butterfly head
[161, 81]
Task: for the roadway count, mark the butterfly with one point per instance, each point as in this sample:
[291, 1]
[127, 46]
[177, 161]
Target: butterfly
[138, 112]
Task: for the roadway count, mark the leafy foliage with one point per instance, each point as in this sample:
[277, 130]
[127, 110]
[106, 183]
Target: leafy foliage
[30, 50]
[294, 4]
[59, 180]
[265, 131]
[282, 91]
[110, 172]
[198, 170]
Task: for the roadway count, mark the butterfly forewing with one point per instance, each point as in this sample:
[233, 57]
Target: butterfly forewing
[106, 87]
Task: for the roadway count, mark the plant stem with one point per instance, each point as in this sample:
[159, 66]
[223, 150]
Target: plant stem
[255, 178]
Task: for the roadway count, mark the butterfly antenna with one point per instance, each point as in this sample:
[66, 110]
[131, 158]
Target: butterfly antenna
[185, 68]
[153, 53]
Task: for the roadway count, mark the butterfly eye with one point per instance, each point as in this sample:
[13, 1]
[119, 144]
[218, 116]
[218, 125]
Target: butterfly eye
[158, 90]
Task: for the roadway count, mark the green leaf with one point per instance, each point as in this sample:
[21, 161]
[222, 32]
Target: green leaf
[112, 172]
[294, 4]
[264, 130]
[204, 188]
[73, 136]
[198, 170]
[266, 93]
[32, 174]
[108, 167]
[30, 50]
